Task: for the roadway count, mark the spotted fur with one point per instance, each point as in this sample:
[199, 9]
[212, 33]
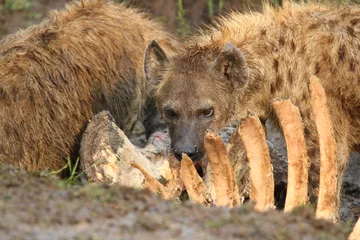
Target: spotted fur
[283, 47]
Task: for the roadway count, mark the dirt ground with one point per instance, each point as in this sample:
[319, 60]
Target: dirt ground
[36, 206]
[39, 206]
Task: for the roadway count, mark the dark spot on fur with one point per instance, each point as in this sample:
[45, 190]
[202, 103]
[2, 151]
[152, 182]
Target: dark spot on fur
[317, 68]
[7, 130]
[305, 98]
[342, 53]
[302, 50]
[263, 32]
[354, 21]
[344, 15]
[326, 58]
[351, 31]
[47, 36]
[330, 39]
[352, 66]
[281, 41]
[279, 82]
[3, 94]
[314, 26]
[293, 47]
[12, 131]
[272, 89]
[333, 23]
[276, 65]
[290, 77]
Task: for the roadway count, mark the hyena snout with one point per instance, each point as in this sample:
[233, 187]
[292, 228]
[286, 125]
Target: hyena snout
[194, 152]
[186, 138]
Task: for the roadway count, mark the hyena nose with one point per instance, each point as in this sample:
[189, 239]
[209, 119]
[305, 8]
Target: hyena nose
[192, 153]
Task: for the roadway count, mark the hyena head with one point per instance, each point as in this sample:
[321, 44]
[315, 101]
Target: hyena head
[195, 92]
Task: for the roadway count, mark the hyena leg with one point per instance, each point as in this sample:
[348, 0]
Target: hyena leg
[342, 157]
[313, 150]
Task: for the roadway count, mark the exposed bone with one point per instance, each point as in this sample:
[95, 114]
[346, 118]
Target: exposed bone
[194, 185]
[106, 154]
[327, 202]
[151, 183]
[227, 193]
[355, 233]
[261, 174]
[291, 122]
[164, 162]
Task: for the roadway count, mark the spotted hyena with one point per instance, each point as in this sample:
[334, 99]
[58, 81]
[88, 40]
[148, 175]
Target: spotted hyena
[246, 60]
[56, 75]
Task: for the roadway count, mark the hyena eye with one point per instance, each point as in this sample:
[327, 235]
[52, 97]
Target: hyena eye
[170, 113]
[207, 112]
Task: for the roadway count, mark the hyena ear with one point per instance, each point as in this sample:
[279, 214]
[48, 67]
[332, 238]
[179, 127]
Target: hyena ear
[155, 61]
[232, 64]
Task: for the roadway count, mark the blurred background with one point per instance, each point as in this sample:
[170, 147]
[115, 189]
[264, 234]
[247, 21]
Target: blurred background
[180, 16]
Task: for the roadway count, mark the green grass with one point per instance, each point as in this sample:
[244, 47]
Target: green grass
[184, 28]
[74, 176]
[211, 7]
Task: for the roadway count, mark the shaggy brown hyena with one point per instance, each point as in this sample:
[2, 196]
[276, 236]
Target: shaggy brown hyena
[246, 60]
[56, 75]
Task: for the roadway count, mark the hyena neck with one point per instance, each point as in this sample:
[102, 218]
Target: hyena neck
[267, 80]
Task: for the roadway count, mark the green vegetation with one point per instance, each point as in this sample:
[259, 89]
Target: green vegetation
[17, 5]
[184, 28]
[221, 6]
[35, 15]
[210, 6]
[74, 176]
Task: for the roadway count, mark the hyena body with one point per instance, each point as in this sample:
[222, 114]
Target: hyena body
[245, 61]
[56, 75]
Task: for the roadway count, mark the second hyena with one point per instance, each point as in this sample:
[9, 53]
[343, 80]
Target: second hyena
[246, 60]
[58, 74]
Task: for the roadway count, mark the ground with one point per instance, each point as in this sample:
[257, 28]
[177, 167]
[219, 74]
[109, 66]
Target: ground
[39, 206]
[36, 206]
